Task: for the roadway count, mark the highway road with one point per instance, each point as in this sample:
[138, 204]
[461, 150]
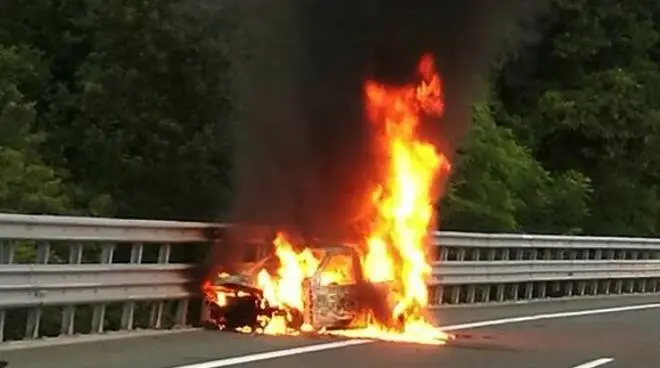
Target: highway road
[619, 332]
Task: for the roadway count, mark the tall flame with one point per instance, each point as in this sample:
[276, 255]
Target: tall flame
[287, 289]
[404, 202]
[396, 240]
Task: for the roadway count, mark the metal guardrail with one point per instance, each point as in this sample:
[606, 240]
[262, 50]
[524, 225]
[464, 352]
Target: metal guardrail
[63, 275]
[90, 229]
[498, 281]
[72, 275]
[477, 240]
[37, 285]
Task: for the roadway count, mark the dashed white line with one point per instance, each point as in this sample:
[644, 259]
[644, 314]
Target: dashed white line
[594, 363]
[463, 326]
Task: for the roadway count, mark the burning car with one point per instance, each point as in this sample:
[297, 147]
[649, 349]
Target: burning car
[379, 284]
[318, 288]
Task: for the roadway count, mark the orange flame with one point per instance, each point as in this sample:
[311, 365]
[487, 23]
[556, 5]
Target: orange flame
[396, 251]
[396, 244]
[287, 289]
[404, 201]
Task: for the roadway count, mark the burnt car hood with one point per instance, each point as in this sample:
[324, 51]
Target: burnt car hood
[245, 280]
[238, 282]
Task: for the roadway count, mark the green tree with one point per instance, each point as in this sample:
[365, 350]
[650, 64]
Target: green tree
[589, 101]
[27, 185]
[137, 107]
[498, 186]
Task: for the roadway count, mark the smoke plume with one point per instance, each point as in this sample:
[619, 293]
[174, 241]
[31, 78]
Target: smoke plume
[304, 155]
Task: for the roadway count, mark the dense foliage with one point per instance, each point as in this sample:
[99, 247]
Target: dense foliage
[122, 108]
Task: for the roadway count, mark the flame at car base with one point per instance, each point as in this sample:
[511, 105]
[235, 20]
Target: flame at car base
[395, 238]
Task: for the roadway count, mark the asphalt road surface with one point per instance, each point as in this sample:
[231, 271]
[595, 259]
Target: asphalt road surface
[610, 333]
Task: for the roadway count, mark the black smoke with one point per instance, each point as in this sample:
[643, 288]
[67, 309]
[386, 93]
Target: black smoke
[303, 152]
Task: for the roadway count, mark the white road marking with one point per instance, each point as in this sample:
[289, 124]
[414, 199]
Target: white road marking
[536, 317]
[225, 362]
[274, 354]
[594, 363]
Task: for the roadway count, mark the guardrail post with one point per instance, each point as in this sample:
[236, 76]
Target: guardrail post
[515, 291]
[156, 314]
[470, 294]
[586, 254]
[643, 285]
[442, 256]
[630, 286]
[7, 250]
[205, 312]
[500, 293]
[542, 289]
[520, 254]
[182, 312]
[492, 254]
[598, 254]
[547, 254]
[593, 287]
[529, 291]
[439, 294]
[610, 254]
[460, 254]
[128, 312]
[98, 314]
[2, 326]
[69, 312]
[34, 314]
[618, 286]
[484, 293]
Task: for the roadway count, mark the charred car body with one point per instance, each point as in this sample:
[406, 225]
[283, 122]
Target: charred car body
[347, 301]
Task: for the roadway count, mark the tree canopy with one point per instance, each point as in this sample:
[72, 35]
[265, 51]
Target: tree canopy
[125, 109]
